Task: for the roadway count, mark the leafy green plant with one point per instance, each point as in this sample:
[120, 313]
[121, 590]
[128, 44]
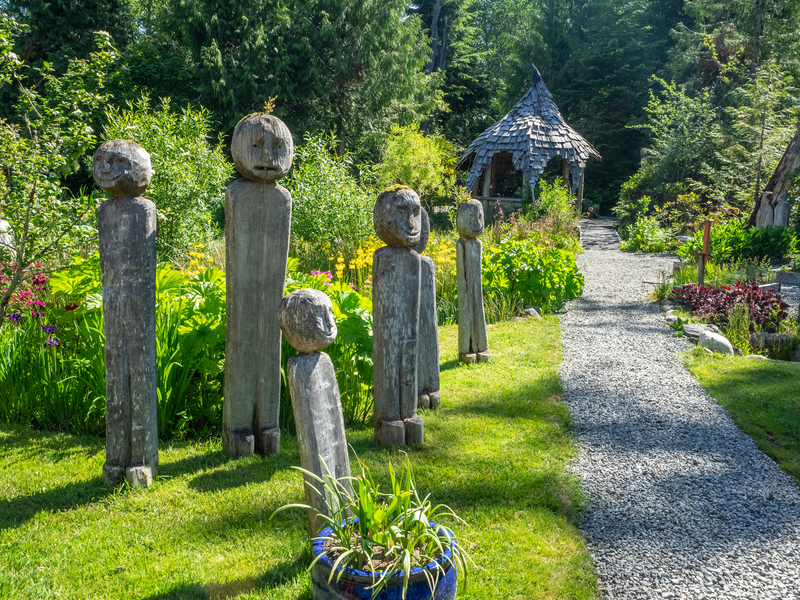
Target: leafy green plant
[628, 211]
[544, 277]
[646, 235]
[393, 528]
[422, 162]
[331, 207]
[732, 241]
[48, 131]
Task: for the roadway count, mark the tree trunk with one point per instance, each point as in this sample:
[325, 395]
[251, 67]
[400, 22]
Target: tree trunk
[756, 38]
[781, 179]
[434, 37]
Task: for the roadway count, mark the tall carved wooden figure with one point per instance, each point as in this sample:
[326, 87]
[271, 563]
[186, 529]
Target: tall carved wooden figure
[257, 220]
[395, 330]
[306, 319]
[126, 226]
[428, 348]
[473, 343]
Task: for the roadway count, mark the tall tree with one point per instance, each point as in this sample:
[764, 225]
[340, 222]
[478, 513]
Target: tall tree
[342, 63]
[60, 30]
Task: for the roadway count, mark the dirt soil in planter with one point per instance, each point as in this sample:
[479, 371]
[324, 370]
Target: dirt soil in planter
[379, 562]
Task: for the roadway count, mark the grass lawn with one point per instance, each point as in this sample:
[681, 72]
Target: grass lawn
[496, 452]
[762, 396]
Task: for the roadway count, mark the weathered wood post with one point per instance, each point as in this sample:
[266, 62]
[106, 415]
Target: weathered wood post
[579, 197]
[704, 255]
[126, 227]
[396, 272]
[257, 222]
[782, 212]
[306, 319]
[473, 342]
[428, 354]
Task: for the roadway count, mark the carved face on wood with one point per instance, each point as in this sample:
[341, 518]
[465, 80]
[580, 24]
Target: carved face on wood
[469, 219]
[424, 233]
[262, 148]
[122, 168]
[397, 217]
[306, 320]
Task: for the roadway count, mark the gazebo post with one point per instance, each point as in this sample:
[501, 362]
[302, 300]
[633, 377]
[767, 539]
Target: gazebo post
[487, 181]
[579, 202]
[565, 172]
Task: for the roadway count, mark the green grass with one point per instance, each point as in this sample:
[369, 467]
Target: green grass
[762, 396]
[496, 452]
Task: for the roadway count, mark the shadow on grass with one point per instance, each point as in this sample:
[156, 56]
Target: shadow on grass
[30, 442]
[277, 576]
[237, 472]
[17, 511]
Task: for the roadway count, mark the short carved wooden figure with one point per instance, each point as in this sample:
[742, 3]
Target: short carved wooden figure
[126, 227]
[473, 342]
[765, 217]
[783, 211]
[396, 307]
[428, 347]
[257, 223]
[306, 319]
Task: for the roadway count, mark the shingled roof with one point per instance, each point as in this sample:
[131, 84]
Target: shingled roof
[534, 132]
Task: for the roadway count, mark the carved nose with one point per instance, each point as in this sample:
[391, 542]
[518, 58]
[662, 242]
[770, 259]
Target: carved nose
[107, 166]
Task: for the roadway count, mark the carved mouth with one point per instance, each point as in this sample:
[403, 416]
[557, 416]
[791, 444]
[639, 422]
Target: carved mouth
[266, 169]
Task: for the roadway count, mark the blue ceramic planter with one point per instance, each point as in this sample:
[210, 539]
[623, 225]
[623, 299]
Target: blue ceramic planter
[353, 583]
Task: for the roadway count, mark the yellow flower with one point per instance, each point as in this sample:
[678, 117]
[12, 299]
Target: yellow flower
[192, 263]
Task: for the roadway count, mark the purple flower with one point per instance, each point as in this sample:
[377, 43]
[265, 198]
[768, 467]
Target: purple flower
[14, 317]
[36, 315]
[49, 329]
[51, 342]
[71, 306]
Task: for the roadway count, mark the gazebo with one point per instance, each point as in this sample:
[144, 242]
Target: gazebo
[527, 138]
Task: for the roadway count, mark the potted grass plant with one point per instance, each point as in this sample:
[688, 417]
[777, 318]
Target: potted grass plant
[383, 544]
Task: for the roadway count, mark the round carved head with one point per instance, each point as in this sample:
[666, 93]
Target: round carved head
[469, 219]
[396, 217]
[424, 233]
[306, 320]
[262, 148]
[766, 198]
[122, 168]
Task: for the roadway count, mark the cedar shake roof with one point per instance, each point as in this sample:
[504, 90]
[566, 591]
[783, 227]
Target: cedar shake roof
[533, 132]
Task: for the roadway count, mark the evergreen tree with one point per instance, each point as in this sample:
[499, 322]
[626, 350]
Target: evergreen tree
[60, 30]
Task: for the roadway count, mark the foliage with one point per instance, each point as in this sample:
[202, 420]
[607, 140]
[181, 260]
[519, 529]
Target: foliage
[396, 528]
[731, 241]
[765, 306]
[60, 31]
[333, 64]
[331, 207]
[42, 142]
[189, 173]
[683, 215]
[422, 162]
[539, 277]
[646, 235]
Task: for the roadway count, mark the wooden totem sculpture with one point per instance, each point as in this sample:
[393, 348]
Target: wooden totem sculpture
[473, 342]
[395, 301]
[257, 221]
[126, 227]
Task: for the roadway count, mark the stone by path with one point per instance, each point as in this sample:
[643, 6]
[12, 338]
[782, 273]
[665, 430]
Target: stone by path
[683, 505]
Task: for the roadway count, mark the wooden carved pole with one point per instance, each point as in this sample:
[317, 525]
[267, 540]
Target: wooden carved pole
[257, 220]
[126, 228]
[704, 255]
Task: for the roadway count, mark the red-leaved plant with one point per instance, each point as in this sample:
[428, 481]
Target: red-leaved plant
[767, 309]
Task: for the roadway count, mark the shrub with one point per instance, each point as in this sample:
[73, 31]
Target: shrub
[733, 241]
[189, 172]
[331, 207]
[422, 162]
[646, 235]
[628, 211]
[543, 277]
[765, 307]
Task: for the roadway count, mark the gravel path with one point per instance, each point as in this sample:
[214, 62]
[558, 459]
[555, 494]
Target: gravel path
[682, 503]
